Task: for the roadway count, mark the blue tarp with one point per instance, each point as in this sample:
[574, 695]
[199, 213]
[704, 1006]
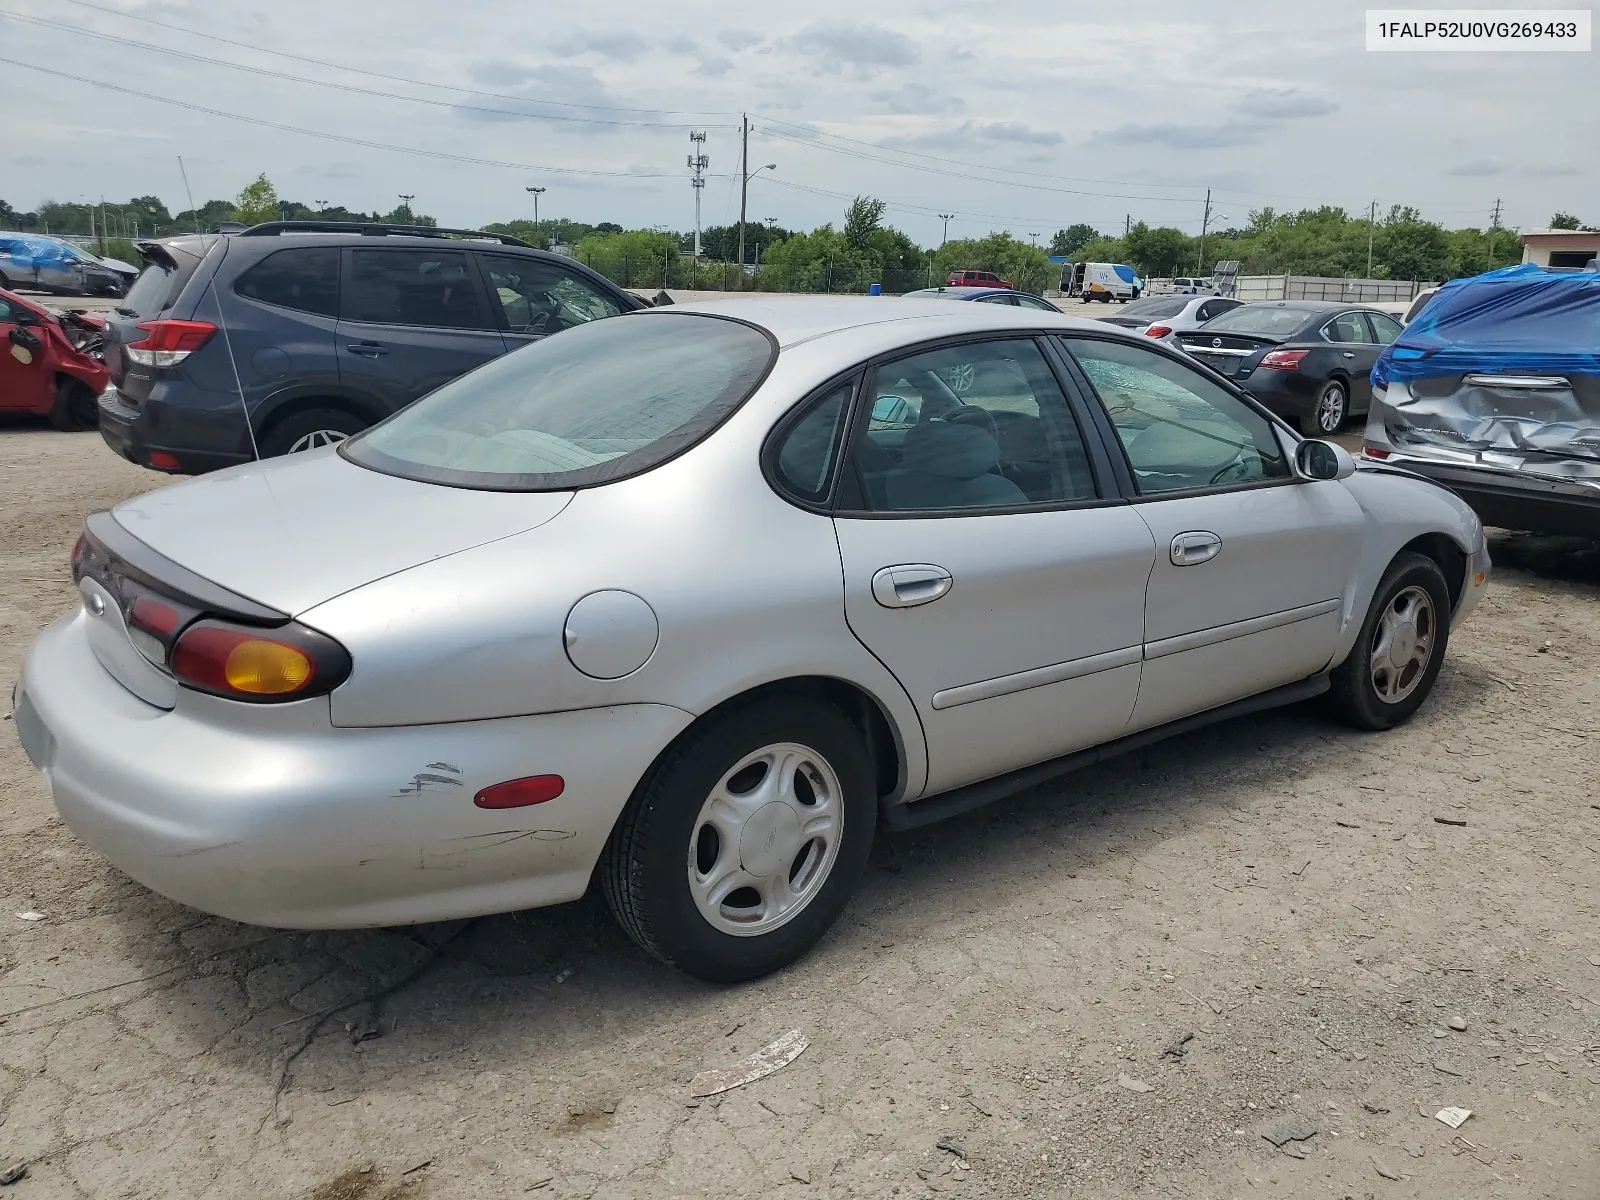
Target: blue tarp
[31, 250]
[1523, 319]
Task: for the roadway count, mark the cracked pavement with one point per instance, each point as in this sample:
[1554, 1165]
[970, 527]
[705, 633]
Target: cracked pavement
[1276, 886]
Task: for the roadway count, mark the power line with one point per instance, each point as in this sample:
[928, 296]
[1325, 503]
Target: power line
[112, 12]
[333, 137]
[342, 87]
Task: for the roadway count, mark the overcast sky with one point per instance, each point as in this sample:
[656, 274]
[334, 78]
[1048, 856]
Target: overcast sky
[1025, 116]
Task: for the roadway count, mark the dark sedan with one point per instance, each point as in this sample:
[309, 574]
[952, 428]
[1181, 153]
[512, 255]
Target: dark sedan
[1306, 360]
[986, 295]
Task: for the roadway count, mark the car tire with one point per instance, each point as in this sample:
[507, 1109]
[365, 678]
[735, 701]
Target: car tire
[308, 430]
[1329, 411]
[1399, 651]
[672, 874]
[76, 407]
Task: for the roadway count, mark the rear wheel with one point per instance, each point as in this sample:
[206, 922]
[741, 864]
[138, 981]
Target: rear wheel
[743, 844]
[76, 406]
[1328, 414]
[309, 430]
[1397, 656]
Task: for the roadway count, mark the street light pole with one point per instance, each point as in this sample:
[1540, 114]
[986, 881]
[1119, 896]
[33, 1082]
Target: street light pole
[946, 218]
[406, 200]
[535, 192]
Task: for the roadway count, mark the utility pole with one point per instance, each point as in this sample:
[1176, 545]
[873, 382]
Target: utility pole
[535, 192]
[744, 179]
[698, 162]
[1494, 228]
[1205, 223]
[946, 218]
[1127, 222]
[1372, 219]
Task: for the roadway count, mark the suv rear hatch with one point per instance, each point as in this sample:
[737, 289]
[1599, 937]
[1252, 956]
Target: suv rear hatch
[168, 266]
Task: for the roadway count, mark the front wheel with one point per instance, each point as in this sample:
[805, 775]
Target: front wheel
[743, 844]
[1400, 649]
[76, 406]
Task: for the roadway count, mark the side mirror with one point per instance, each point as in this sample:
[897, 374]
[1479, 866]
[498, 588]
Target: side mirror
[1323, 460]
[25, 339]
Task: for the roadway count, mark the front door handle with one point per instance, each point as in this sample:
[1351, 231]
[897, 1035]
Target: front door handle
[1188, 549]
[910, 584]
[367, 349]
[1349, 353]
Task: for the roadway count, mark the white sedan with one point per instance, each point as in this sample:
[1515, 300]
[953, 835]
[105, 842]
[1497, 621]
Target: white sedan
[1163, 317]
[693, 600]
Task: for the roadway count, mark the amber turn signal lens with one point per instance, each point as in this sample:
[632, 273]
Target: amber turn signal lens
[266, 668]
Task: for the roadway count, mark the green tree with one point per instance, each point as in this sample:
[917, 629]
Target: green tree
[1565, 220]
[1412, 250]
[861, 220]
[258, 202]
[1070, 239]
[1026, 266]
[633, 258]
[1158, 252]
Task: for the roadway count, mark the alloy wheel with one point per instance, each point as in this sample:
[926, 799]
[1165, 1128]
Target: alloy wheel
[1330, 408]
[766, 839]
[1402, 644]
[316, 438]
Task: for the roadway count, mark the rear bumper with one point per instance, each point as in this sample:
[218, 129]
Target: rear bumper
[196, 443]
[270, 815]
[1511, 500]
[1285, 393]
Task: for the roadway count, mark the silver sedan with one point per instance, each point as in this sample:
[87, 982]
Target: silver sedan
[693, 601]
[1163, 317]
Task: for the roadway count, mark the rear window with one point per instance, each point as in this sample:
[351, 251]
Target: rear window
[158, 284]
[589, 405]
[1267, 322]
[1156, 306]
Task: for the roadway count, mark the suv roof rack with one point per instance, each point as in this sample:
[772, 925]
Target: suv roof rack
[374, 229]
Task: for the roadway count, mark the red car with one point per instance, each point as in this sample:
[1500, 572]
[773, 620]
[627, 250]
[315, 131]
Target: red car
[44, 367]
[976, 279]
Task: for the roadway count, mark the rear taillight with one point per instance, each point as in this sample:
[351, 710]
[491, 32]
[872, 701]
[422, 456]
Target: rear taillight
[168, 343]
[287, 662]
[1157, 330]
[1283, 360]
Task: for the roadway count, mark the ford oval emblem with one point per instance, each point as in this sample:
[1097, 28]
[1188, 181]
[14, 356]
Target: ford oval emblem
[1216, 341]
[97, 606]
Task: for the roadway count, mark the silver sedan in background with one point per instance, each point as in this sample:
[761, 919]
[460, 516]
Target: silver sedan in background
[692, 601]
[1162, 317]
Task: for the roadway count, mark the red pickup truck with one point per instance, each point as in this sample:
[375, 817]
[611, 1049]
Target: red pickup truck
[976, 279]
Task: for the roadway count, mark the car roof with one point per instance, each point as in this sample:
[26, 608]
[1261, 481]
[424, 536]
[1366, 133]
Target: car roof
[963, 293]
[795, 319]
[1306, 306]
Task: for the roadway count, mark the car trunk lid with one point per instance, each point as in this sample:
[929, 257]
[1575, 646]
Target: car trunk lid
[1225, 352]
[293, 532]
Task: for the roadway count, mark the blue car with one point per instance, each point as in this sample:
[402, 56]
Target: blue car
[53, 265]
[985, 295]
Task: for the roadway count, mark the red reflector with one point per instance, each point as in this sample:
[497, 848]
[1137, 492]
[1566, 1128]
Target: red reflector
[161, 460]
[154, 617]
[519, 793]
[1370, 452]
[1158, 331]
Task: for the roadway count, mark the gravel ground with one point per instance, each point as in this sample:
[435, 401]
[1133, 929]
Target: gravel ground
[1278, 887]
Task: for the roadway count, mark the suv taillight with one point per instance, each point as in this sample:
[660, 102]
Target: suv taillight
[168, 343]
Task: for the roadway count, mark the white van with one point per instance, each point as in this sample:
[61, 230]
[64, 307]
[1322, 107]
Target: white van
[1101, 281]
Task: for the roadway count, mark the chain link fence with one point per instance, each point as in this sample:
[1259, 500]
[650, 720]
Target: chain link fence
[678, 271]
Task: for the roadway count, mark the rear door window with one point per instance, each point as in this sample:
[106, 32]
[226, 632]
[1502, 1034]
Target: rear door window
[305, 279]
[436, 288]
[1347, 327]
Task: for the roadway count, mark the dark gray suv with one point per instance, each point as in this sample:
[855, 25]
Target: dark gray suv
[317, 330]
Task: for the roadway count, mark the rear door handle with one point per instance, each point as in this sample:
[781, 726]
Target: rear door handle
[367, 349]
[910, 584]
[1200, 546]
[1349, 353]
